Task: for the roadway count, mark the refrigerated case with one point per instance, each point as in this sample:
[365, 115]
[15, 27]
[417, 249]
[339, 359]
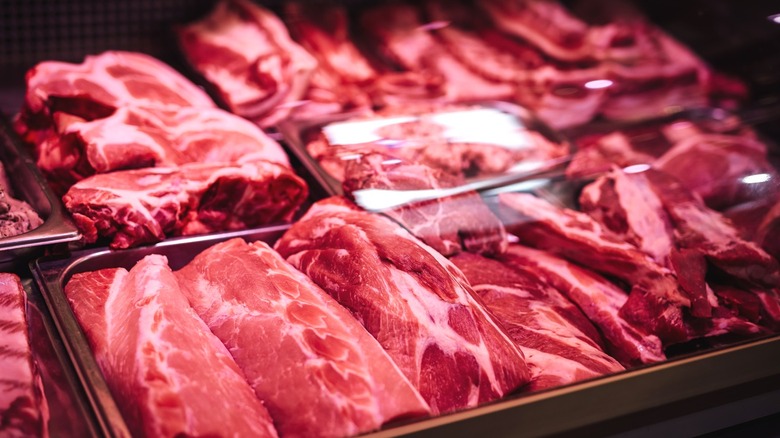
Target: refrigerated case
[700, 389]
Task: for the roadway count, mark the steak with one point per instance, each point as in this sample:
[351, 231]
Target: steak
[165, 369]
[98, 86]
[245, 51]
[560, 345]
[599, 299]
[135, 137]
[411, 299]
[315, 367]
[23, 407]
[448, 224]
[134, 207]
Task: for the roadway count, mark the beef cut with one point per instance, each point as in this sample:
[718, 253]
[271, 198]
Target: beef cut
[169, 375]
[135, 137]
[315, 367]
[245, 51]
[560, 345]
[23, 407]
[447, 224]
[417, 304]
[599, 299]
[98, 86]
[134, 207]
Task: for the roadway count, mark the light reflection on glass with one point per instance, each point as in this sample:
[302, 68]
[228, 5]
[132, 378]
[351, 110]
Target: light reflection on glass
[757, 178]
[775, 18]
[598, 84]
[636, 168]
[391, 162]
[434, 25]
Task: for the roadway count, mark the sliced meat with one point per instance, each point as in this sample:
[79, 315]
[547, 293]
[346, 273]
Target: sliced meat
[165, 369]
[245, 51]
[134, 207]
[296, 345]
[599, 300]
[449, 224]
[23, 407]
[555, 337]
[411, 299]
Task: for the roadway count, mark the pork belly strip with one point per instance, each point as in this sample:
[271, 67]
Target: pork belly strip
[135, 137]
[599, 300]
[448, 224]
[133, 207]
[316, 368]
[100, 85]
[245, 51]
[23, 407]
[656, 301]
[411, 299]
[560, 345]
[168, 373]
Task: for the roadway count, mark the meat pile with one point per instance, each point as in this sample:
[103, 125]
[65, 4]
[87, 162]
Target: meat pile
[23, 407]
[141, 153]
[532, 52]
[16, 216]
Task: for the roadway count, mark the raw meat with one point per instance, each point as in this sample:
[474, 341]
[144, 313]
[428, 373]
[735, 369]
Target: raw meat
[135, 137]
[23, 408]
[411, 299]
[133, 207]
[768, 232]
[656, 301]
[316, 368]
[169, 375]
[614, 149]
[98, 86]
[555, 337]
[708, 232]
[245, 51]
[447, 224]
[16, 216]
[598, 299]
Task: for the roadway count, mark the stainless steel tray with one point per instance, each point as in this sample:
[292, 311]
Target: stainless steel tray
[29, 185]
[607, 400]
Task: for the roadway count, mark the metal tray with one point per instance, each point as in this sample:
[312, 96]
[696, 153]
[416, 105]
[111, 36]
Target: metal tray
[293, 133]
[609, 400]
[29, 185]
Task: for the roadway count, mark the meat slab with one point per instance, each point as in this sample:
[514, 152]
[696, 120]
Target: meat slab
[560, 345]
[315, 367]
[245, 51]
[165, 369]
[134, 207]
[599, 299]
[23, 407]
[135, 137]
[448, 224]
[411, 299]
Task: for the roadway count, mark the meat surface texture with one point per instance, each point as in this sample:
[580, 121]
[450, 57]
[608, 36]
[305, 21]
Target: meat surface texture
[448, 224]
[23, 408]
[316, 368]
[140, 206]
[169, 375]
[411, 299]
[16, 216]
[135, 137]
[100, 85]
[560, 345]
[599, 299]
[245, 51]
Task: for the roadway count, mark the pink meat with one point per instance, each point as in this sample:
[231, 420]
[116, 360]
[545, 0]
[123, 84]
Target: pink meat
[245, 51]
[133, 207]
[169, 375]
[598, 299]
[134, 137]
[412, 300]
[448, 224]
[23, 407]
[656, 301]
[318, 371]
[560, 345]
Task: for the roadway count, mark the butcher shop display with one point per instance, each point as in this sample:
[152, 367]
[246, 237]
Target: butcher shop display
[16, 216]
